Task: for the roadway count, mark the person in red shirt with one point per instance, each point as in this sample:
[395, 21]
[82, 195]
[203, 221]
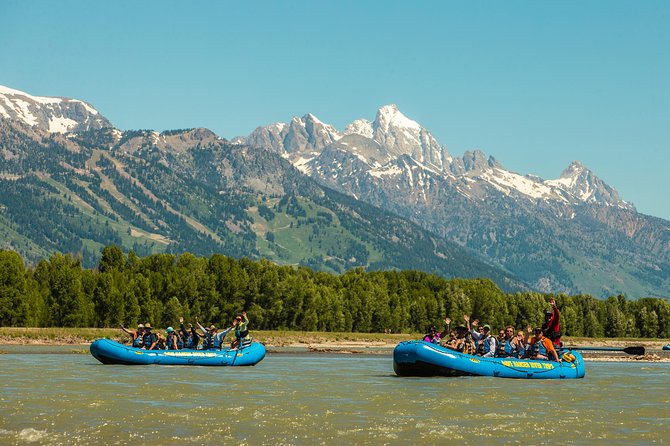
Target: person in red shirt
[551, 328]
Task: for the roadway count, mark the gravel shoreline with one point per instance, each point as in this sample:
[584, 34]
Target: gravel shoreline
[281, 344]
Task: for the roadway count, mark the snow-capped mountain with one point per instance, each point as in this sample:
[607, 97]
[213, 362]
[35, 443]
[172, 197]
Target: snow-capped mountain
[379, 147]
[55, 115]
[549, 232]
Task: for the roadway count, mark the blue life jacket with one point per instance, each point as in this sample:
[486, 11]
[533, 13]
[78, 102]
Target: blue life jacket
[172, 341]
[137, 341]
[192, 342]
[506, 349]
[539, 349]
[207, 344]
[215, 342]
[483, 346]
[148, 339]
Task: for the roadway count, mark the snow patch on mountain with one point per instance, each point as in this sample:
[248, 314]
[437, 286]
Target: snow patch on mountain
[55, 115]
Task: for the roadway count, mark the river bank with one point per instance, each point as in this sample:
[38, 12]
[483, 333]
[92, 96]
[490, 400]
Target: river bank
[322, 342]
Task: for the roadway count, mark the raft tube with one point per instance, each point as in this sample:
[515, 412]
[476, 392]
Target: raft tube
[419, 358]
[111, 352]
[666, 347]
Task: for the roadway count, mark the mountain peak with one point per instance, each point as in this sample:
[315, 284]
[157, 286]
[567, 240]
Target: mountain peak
[390, 116]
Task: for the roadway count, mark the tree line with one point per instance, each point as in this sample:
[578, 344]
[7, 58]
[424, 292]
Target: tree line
[160, 288]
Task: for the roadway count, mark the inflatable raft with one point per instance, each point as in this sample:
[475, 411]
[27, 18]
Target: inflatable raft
[418, 358]
[111, 352]
[666, 347]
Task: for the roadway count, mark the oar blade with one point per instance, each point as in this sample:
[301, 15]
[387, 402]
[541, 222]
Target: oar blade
[637, 350]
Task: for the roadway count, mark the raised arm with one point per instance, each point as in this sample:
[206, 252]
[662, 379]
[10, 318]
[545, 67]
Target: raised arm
[445, 333]
[202, 329]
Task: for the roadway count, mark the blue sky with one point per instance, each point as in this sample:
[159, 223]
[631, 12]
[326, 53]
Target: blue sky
[535, 84]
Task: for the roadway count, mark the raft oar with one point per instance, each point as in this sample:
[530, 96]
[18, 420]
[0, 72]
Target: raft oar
[637, 351]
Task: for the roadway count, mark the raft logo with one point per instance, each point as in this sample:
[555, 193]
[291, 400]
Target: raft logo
[528, 365]
[190, 354]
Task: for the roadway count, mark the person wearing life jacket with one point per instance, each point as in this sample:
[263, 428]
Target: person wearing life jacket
[135, 335]
[463, 342]
[540, 347]
[551, 328]
[172, 342]
[486, 346]
[521, 342]
[190, 338]
[241, 326]
[213, 338]
[149, 339]
[507, 347]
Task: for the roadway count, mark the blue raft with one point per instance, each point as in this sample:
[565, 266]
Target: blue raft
[111, 352]
[418, 358]
[666, 347]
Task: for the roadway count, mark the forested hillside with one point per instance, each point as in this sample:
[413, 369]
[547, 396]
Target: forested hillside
[127, 289]
[191, 191]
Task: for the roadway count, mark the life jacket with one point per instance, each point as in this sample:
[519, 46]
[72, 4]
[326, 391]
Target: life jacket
[243, 334]
[207, 343]
[180, 342]
[148, 339]
[483, 346]
[192, 342]
[173, 342]
[137, 340]
[505, 348]
[538, 348]
[214, 342]
[468, 347]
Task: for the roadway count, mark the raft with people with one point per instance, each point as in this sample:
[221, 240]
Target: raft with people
[108, 351]
[420, 358]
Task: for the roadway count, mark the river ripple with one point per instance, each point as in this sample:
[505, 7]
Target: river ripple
[59, 398]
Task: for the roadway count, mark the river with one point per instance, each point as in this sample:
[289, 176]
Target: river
[54, 396]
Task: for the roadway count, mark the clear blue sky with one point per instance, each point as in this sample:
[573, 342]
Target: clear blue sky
[535, 84]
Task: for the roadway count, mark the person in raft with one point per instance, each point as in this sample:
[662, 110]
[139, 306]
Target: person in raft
[463, 342]
[190, 338]
[485, 344]
[551, 328]
[149, 339]
[173, 341]
[241, 325]
[540, 347]
[435, 336]
[213, 338]
[136, 335]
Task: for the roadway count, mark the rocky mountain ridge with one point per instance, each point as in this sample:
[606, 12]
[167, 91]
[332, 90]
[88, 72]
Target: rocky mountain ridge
[559, 235]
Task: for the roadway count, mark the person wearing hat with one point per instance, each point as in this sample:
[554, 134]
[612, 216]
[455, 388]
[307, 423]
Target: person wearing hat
[435, 336]
[540, 347]
[173, 342]
[551, 328]
[135, 335]
[463, 341]
[149, 339]
[213, 338]
[485, 344]
[241, 326]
